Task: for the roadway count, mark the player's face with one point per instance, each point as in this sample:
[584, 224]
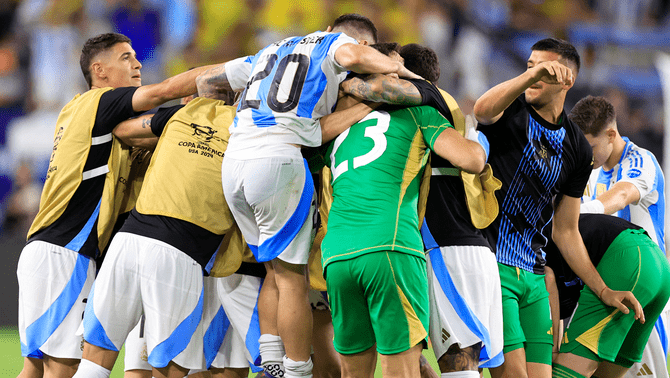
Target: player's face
[602, 148]
[121, 67]
[541, 93]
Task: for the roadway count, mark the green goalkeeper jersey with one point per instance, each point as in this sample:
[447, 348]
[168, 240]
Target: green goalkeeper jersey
[376, 168]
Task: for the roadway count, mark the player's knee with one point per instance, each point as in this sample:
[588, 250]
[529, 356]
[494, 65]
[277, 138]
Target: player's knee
[457, 359]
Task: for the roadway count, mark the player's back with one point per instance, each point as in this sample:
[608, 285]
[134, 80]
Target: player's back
[377, 165]
[292, 83]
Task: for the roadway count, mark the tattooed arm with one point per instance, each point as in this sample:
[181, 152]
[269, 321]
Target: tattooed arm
[382, 88]
[213, 82]
[137, 132]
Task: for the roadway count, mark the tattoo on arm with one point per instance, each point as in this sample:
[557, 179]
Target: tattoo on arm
[146, 123]
[213, 82]
[391, 90]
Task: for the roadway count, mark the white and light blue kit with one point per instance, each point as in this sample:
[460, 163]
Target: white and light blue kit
[288, 86]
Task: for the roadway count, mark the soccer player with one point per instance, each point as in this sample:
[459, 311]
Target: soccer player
[77, 211]
[465, 304]
[598, 336]
[537, 153]
[372, 253]
[287, 87]
[627, 182]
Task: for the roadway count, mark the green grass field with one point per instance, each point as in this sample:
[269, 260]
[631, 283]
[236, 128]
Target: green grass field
[11, 361]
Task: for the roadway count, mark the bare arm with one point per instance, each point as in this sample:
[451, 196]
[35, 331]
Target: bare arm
[137, 132]
[349, 111]
[554, 304]
[565, 234]
[462, 153]
[491, 105]
[213, 82]
[382, 88]
[149, 96]
[365, 59]
[619, 196]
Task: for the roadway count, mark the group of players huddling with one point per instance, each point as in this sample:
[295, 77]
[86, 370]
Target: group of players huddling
[332, 163]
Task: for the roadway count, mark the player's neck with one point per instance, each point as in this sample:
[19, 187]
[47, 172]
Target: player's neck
[550, 112]
[617, 151]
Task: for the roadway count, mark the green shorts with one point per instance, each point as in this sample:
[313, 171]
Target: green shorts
[601, 333]
[379, 297]
[526, 314]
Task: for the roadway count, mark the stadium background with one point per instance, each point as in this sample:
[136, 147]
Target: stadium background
[480, 43]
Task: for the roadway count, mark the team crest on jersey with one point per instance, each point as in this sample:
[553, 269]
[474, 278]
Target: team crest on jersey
[205, 133]
[633, 173]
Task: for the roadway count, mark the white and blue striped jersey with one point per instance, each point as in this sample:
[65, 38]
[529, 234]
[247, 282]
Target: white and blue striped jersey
[287, 86]
[640, 168]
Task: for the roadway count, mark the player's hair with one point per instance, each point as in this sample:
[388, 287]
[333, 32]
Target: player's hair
[560, 47]
[93, 47]
[358, 23]
[592, 114]
[422, 61]
[386, 47]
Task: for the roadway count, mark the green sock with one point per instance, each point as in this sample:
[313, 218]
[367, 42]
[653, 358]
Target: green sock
[560, 371]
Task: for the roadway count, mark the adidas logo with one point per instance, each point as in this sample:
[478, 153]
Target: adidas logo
[445, 335]
[645, 371]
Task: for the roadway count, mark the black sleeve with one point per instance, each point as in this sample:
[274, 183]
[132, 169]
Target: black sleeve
[161, 118]
[583, 165]
[115, 107]
[431, 96]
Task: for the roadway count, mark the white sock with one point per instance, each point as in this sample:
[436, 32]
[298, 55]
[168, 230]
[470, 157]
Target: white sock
[298, 369]
[89, 369]
[272, 353]
[461, 374]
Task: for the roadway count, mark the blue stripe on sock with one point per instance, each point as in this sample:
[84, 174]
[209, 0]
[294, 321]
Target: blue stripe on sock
[169, 348]
[277, 243]
[41, 329]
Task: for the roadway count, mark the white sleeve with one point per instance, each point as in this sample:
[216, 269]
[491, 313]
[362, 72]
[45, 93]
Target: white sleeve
[639, 169]
[342, 39]
[238, 71]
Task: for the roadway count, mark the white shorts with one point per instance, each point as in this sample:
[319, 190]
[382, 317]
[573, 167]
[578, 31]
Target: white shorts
[238, 295]
[141, 275]
[54, 283]
[274, 203]
[654, 361]
[136, 356]
[465, 301]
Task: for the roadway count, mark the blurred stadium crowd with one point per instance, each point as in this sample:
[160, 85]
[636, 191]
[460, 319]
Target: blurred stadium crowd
[479, 42]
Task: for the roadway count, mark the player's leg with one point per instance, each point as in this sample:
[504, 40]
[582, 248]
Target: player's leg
[32, 368]
[535, 318]
[466, 308]
[326, 360]
[353, 335]
[360, 364]
[114, 307]
[513, 335]
[53, 285]
[403, 364]
[281, 193]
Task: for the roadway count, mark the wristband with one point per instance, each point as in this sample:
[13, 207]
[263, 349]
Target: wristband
[592, 207]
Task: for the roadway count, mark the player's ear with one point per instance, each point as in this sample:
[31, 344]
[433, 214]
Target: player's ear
[611, 134]
[98, 70]
[328, 29]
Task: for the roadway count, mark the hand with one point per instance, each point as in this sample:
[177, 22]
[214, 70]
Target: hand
[623, 300]
[553, 72]
[404, 72]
